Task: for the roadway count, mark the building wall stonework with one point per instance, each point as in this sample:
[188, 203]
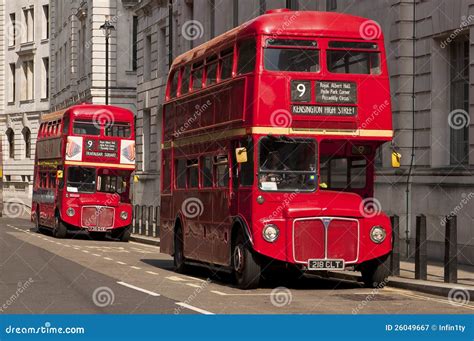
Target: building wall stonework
[24, 40]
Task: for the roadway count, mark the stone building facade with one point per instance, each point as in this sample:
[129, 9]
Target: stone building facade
[78, 53]
[24, 95]
[439, 181]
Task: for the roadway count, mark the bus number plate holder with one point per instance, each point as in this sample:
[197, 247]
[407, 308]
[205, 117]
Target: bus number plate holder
[326, 264]
[97, 229]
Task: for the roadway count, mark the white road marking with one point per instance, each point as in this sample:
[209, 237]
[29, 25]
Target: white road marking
[85, 251]
[193, 285]
[218, 293]
[108, 258]
[199, 310]
[138, 289]
[135, 267]
[151, 273]
[121, 263]
[96, 254]
[176, 279]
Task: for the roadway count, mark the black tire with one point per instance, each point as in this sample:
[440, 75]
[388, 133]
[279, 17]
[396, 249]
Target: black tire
[59, 230]
[375, 272]
[245, 264]
[37, 221]
[178, 254]
[97, 235]
[122, 234]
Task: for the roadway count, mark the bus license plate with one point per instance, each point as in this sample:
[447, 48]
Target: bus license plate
[97, 229]
[326, 264]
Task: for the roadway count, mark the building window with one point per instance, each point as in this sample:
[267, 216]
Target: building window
[27, 139]
[82, 44]
[146, 138]
[11, 143]
[28, 81]
[262, 6]
[331, 5]
[45, 22]
[29, 20]
[12, 84]
[459, 93]
[134, 42]
[147, 59]
[212, 20]
[45, 79]
[12, 30]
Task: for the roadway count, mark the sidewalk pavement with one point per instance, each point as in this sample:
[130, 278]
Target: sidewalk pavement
[433, 285]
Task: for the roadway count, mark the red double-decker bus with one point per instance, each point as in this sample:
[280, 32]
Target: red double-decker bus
[270, 136]
[85, 156]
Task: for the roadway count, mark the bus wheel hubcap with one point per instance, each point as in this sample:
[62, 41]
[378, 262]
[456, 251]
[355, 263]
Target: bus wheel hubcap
[238, 258]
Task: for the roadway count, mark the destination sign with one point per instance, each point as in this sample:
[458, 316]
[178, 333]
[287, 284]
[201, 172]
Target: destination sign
[320, 110]
[336, 92]
[101, 148]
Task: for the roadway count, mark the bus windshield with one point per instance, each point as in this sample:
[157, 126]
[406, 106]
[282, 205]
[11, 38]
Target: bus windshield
[287, 164]
[81, 180]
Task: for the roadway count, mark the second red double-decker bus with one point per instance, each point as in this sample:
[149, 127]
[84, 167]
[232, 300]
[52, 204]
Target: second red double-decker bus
[270, 137]
[85, 156]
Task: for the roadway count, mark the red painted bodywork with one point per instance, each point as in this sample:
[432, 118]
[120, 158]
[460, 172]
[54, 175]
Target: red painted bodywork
[241, 108]
[52, 200]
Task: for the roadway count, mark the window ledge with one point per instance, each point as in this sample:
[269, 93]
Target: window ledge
[27, 101]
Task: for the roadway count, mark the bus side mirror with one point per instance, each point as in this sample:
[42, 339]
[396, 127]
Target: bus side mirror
[396, 159]
[241, 155]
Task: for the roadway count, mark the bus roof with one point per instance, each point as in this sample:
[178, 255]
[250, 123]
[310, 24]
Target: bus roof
[90, 111]
[285, 22]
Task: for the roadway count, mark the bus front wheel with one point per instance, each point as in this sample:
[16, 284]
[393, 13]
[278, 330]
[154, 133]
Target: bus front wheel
[245, 265]
[375, 272]
[122, 234]
[60, 230]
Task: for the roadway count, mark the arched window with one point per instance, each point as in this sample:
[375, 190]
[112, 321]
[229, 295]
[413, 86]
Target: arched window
[11, 143]
[27, 139]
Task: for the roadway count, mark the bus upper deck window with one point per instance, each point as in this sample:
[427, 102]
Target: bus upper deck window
[66, 125]
[197, 75]
[226, 66]
[174, 84]
[185, 80]
[211, 70]
[118, 129]
[353, 58]
[247, 53]
[86, 128]
[291, 55]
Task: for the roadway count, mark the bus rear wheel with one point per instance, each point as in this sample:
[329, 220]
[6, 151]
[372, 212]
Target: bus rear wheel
[178, 255]
[59, 230]
[245, 265]
[375, 272]
[37, 221]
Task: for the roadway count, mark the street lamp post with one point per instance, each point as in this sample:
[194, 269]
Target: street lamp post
[107, 28]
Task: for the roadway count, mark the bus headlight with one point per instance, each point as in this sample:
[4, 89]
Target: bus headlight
[70, 212]
[270, 233]
[378, 234]
[123, 215]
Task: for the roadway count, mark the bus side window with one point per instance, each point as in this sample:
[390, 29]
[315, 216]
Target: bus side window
[246, 168]
[180, 173]
[44, 180]
[52, 180]
[66, 125]
[192, 173]
[211, 70]
[185, 80]
[197, 75]
[247, 53]
[206, 172]
[174, 84]
[226, 65]
[166, 170]
[221, 170]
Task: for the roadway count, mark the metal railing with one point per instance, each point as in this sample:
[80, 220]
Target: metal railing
[146, 220]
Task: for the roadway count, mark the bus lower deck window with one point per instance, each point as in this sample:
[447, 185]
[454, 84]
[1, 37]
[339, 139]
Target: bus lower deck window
[221, 167]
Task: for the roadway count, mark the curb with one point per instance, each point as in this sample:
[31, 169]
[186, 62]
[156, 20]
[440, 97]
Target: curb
[427, 287]
[145, 240]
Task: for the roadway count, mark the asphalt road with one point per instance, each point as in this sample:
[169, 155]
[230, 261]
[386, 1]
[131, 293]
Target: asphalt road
[43, 275]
